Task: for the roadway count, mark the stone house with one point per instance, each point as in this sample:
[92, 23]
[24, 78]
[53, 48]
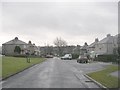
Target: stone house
[116, 43]
[33, 49]
[91, 47]
[9, 47]
[106, 46]
[46, 50]
[55, 51]
[76, 50]
[68, 49]
[84, 49]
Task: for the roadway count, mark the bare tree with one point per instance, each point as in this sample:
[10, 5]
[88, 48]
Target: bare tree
[60, 43]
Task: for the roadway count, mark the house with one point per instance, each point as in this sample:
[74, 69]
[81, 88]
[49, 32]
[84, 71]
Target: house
[91, 47]
[68, 49]
[76, 50]
[116, 43]
[46, 50]
[33, 49]
[55, 50]
[105, 46]
[8, 48]
[84, 49]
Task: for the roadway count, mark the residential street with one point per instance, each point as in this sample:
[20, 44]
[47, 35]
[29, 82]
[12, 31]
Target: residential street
[55, 73]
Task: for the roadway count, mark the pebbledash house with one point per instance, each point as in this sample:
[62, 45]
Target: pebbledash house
[8, 48]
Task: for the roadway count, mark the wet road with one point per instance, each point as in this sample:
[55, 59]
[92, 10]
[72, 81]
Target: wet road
[53, 73]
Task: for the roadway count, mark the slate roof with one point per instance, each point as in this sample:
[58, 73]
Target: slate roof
[15, 41]
[92, 45]
[84, 47]
[106, 40]
[117, 37]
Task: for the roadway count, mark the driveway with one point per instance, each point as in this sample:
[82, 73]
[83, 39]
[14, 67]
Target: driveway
[54, 73]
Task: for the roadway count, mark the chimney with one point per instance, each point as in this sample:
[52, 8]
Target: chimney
[29, 42]
[16, 38]
[96, 40]
[86, 44]
[108, 35]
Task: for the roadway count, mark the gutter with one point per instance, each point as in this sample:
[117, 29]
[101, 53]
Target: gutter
[97, 83]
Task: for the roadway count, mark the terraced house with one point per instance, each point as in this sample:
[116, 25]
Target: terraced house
[8, 48]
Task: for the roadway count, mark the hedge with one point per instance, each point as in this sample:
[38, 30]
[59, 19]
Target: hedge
[108, 58]
[75, 56]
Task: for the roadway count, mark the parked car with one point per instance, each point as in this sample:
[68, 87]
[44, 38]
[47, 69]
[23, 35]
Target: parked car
[67, 57]
[49, 56]
[82, 59]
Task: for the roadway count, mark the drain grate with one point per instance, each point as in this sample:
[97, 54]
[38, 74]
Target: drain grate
[88, 81]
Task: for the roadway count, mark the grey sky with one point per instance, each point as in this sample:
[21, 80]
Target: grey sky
[42, 22]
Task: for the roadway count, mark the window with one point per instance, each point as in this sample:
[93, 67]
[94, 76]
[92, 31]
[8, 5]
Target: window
[24, 46]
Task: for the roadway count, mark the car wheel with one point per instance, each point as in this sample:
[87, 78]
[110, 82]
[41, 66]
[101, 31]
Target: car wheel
[86, 61]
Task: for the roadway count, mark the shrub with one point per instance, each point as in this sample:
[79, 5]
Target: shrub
[17, 49]
[75, 56]
[107, 58]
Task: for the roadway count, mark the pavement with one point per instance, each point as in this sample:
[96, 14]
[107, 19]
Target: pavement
[116, 74]
[55, 73]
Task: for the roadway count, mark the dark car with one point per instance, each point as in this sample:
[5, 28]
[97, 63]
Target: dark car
[82, 59]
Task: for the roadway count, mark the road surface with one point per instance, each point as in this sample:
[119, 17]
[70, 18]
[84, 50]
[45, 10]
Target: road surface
[53, 73]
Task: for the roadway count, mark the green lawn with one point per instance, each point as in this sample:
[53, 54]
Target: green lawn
[11, 65]
[105, 78]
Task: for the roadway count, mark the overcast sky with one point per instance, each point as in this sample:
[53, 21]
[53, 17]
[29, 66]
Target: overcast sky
[42, 22]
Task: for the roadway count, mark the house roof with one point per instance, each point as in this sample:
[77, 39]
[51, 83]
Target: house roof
[84, 47]
[117, 39]
[92, 45]
[108, 39]
[15, 41]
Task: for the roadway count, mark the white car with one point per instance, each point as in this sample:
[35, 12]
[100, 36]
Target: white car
[67, 56]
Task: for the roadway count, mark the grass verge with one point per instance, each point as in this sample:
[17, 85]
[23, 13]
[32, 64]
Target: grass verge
[12, 65]
[105, 78]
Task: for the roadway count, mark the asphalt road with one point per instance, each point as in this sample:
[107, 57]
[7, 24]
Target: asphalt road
[54, 73]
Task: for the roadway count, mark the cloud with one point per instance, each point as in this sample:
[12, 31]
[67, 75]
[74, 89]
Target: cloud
[72, 21]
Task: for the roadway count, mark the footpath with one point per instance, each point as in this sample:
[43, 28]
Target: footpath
[116, 74]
